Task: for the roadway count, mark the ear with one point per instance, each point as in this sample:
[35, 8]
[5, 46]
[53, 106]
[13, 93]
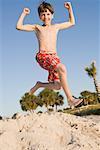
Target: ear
[52, 16]
[40, 17]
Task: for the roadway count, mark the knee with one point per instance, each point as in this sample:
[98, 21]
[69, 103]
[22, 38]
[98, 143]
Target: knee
[57, 86]
[61, 68]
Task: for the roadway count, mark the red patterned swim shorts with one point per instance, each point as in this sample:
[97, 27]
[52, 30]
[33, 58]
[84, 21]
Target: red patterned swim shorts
[49, 61]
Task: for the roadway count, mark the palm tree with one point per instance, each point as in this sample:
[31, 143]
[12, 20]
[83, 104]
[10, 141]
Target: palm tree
[59, 100]
[50, 98]
[92, 72]
[89, 97]
[29, 102]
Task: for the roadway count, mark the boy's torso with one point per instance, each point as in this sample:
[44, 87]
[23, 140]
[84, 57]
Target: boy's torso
[47, 37]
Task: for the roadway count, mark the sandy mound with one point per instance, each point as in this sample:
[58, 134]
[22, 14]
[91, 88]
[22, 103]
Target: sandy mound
[49, 131]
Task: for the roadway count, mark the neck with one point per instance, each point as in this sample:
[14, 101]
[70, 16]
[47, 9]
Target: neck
[49, 24]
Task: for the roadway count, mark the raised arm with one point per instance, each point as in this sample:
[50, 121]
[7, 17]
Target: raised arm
[21, 26]
[71, 20]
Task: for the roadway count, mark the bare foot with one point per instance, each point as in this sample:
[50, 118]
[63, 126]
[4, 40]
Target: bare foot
[37, 85]
[75, 102]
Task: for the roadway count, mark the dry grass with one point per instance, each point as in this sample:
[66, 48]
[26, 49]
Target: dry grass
[85, 110]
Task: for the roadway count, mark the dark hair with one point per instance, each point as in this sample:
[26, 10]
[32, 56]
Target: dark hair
[44, 6]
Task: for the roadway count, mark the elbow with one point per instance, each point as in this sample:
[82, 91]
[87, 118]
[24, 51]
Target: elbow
[18, 27]
[72, 23]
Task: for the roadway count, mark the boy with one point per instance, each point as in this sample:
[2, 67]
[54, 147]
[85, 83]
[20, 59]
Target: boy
[47, 55]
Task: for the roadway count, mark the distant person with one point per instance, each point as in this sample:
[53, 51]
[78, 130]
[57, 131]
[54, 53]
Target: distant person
[47, 56]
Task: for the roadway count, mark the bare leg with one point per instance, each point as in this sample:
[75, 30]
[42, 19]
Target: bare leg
[50, 85]
[63, 80]
[33, 89]
[57, 85]
[62, 74]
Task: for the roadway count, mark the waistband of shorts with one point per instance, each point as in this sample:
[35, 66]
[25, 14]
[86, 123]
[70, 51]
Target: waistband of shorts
[45, 52]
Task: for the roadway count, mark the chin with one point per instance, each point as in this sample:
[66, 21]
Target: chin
[47, 23]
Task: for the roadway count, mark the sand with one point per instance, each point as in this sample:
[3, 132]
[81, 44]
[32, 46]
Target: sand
[50, 131]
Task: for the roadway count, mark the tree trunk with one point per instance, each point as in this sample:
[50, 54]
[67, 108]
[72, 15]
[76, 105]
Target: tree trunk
[47, 107]
[97, 89]
[56, 107]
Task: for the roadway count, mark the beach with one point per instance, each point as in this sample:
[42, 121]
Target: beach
[50, 131]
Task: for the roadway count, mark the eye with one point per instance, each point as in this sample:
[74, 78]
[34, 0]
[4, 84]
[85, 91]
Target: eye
[48, 14]
[43, 14]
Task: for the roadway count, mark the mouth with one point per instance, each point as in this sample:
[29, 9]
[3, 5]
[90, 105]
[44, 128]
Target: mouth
[46, 19]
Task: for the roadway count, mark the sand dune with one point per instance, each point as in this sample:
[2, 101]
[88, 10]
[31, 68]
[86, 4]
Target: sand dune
[49, 131]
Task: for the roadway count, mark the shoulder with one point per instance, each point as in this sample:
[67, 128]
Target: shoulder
[34, 26]
[55, 27]
[37, 26]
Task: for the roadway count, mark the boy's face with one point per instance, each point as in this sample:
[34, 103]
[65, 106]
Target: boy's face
[46, 16]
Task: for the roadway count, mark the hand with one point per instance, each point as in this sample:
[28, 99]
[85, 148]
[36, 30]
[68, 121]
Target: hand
[26, 11]
[67, 5]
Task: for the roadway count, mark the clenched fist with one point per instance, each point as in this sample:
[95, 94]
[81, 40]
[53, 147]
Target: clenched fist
[67, 5]
[26, 11]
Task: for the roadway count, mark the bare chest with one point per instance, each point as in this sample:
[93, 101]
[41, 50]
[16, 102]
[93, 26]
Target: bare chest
[50, 32]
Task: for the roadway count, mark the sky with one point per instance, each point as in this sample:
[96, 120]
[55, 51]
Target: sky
[77, 47]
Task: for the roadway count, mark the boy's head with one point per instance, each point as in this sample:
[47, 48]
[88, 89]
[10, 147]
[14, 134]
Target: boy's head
[43, 6]
[45, 11]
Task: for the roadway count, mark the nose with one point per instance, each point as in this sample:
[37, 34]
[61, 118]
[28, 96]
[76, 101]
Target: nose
[45, 16]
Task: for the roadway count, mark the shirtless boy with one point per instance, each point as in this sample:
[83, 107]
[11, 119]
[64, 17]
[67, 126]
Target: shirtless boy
[47, 55]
